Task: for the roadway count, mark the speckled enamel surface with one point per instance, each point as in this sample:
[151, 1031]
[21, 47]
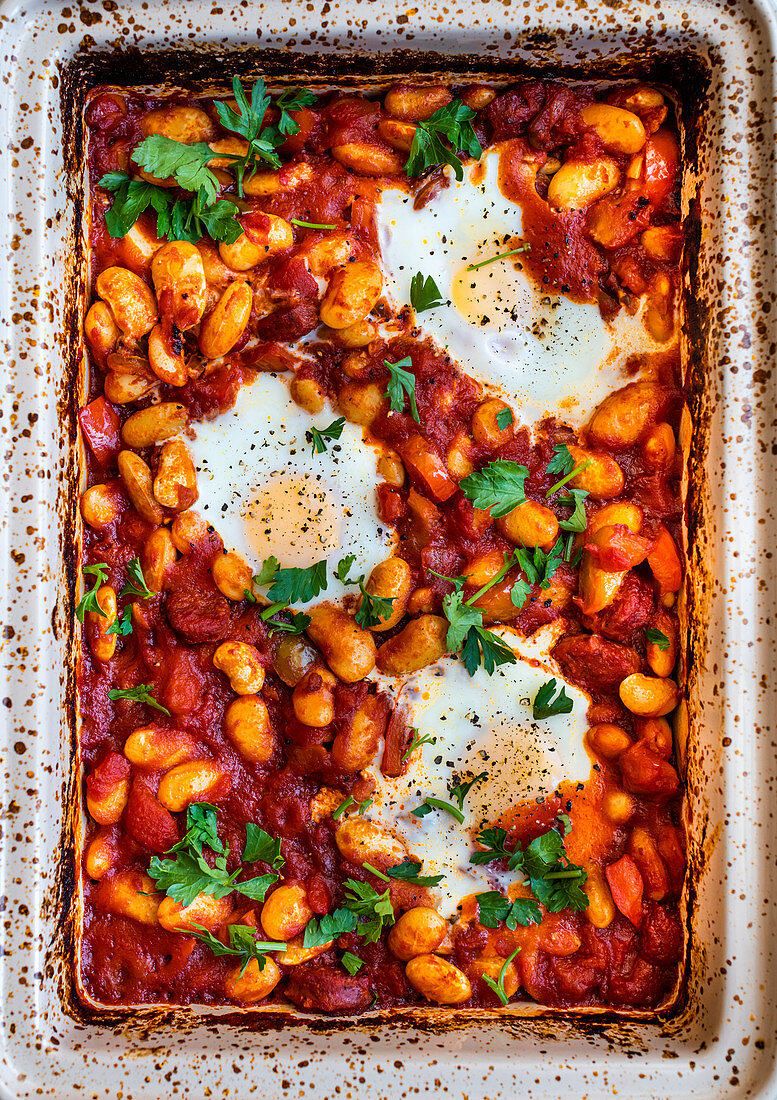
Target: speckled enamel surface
[721, 1043]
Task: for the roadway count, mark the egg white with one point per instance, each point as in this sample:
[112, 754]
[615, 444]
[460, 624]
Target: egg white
[546, 354]
[481, 724]
[267, 494]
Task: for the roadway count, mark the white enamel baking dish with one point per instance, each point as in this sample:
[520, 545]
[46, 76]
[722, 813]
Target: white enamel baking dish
[721, 1041]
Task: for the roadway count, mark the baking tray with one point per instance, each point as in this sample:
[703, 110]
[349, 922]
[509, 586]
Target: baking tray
[719, 1041]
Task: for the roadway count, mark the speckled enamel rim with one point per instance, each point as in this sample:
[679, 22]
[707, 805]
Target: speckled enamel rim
[721, 1044]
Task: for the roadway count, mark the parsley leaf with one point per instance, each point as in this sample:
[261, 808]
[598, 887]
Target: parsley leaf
[498, 486]
[504, 418]
[187, 164]
[454, 122]
[177, 219]
[139, 694]
[546, 706]
[266, 574]
[539, 565]
[352, 963]
[188, 875]
[130, 199]
[296, 624]
[329, 927]
[562, 461]
[374, 910]
[136, 582]
[373, 609]
[493, 908]
[248, 123]
[520, 592]
[408, 871]
[344, 567]
[493, 842]
[466, 632]
[657, 637]
[242, 943]
[498, 986]
[416, 741]
[297, 585]
[189, 220]
[424, 293]
[318, 436]
[483, 646]
[309, 225]
[462, 790]
[123, 624]
[577, 522]
[344, 805]
[261, 846]
[401, 382]
[201, 828]
[554, 880]
[88, 601]
[438, 804]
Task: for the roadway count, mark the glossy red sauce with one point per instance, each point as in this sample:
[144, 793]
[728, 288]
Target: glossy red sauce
[567, 960]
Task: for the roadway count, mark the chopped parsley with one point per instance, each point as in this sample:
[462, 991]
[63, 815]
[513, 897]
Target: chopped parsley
[373, 911]
[123, 624]
[352, 963]
[318, 436]
[424, 293]
[189, 874]
[498, 486]
[555, 881]
[139, 694]
[454, 122]
[563, 462]
[430, 804]
[494, 908]
[658, 638]
[498, 986]
[504, 418]
[201, 829]
[373, 610]
[321, 930]
[460, 792]
[466, 633]
[547, 704]
[88, 601]
[260, 845]
[401, 382]
[136, 582]
[309, 225]
[243, 944]
[204, 212]
[293, 584]
[416, 741]
[526, 247]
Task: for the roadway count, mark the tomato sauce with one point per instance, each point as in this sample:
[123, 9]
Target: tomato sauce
[623, 951]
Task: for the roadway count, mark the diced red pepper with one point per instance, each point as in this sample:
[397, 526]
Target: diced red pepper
[100, 424]
[664, 561]
[662, 157]
[626, 887]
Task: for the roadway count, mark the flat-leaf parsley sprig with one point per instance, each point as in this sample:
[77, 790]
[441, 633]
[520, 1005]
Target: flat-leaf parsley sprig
[452, 122]
[202, 211]
[554, 880]
[466, 633]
